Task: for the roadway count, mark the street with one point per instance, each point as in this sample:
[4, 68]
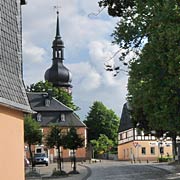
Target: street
[116, 170]
[127, 171]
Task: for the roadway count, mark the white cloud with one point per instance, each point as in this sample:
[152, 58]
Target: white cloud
[86, 78]
[87, 49]
[33, 53]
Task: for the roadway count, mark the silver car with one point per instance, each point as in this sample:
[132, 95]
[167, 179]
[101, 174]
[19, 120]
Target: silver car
[41, 158]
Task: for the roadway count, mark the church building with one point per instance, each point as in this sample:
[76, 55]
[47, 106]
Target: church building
[50, 110]
[58, 74]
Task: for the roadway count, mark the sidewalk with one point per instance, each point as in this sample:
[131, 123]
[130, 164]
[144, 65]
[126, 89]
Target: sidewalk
[84, 172]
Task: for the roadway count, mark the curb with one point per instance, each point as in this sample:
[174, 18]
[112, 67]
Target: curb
[89, 172]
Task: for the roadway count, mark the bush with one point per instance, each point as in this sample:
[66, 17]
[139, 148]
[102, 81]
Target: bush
[164, 159]
[33, 173]
[59, 173]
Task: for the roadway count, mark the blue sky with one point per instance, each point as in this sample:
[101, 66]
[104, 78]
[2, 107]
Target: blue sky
[88, 46]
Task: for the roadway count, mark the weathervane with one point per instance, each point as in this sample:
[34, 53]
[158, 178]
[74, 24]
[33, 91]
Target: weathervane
[57, 7]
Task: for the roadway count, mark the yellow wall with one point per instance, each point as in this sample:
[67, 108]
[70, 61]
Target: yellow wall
[12, 144]
[124, 150]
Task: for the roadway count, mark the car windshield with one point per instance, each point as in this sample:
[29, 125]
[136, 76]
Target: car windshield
[39, 155]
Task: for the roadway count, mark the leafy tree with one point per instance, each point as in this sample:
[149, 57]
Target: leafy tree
[59, 93]
[32, 133]
[73, 141]
[152, 30]
[55, 140]
[101, 120]
[102, 145]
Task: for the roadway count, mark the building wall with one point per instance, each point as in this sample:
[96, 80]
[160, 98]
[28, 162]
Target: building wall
[66, 153]
[12, 141]
[133, 150]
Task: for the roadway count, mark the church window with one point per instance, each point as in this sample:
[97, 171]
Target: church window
[58, 53]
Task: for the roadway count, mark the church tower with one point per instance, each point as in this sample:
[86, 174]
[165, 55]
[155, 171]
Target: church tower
[58, 74]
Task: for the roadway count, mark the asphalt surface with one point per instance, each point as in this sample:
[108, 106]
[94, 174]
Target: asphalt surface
[114, 170]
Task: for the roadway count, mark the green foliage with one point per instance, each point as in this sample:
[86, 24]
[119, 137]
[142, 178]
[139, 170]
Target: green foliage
[59, 93]
[154, 78]
[102, 145]
[101, 120]
[54, 137]
[59, 173]
[32, 133]
[164, 159]
[139, 20]
[72, 140]
[152, 30]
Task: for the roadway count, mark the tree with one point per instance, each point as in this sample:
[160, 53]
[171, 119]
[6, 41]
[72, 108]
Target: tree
[32, 133]
[152, 30]
[139, 21]
[59, 93]
[101, 120]
[55, 140]
[102, 145]
[73, 141]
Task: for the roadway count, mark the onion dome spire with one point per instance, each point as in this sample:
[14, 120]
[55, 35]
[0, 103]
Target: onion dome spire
[58, 74]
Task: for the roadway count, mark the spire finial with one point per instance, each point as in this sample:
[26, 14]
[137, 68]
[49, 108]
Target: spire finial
[57, 25]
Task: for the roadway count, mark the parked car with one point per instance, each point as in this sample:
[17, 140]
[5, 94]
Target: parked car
[40, 158]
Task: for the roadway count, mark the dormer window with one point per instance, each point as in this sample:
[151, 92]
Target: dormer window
[47, 102]
[62, 117]
[39, 117]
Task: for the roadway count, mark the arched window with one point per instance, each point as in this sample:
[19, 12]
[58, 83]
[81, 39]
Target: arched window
[58, 53]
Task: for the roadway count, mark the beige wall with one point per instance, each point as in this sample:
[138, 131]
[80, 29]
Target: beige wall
[12, 144]
[127, 150]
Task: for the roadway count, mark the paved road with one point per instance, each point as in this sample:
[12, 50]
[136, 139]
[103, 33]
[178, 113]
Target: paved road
[126, 171]
[116, 170]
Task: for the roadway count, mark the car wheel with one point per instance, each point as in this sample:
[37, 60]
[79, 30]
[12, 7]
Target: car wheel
[46, 164]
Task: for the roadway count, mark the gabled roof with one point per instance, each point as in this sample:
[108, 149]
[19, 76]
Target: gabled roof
[71, 120]
[12, 90]
[37, 103]
[51, 114]
[125, 122]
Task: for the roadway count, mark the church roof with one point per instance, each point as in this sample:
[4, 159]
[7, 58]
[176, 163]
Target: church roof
[12, 90]
[125, 122]
[58, 74]
[37, 103]
[51, 113]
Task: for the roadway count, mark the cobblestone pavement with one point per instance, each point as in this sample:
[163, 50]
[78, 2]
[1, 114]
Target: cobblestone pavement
[115, 170]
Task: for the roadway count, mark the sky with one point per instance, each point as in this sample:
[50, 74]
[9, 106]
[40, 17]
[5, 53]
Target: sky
[88, 47]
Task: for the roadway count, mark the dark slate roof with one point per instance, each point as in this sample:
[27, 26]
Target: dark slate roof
[51, 114]
[37, 103]
[12, 91]
[71, 120]
[125, 122]
[23, 2]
